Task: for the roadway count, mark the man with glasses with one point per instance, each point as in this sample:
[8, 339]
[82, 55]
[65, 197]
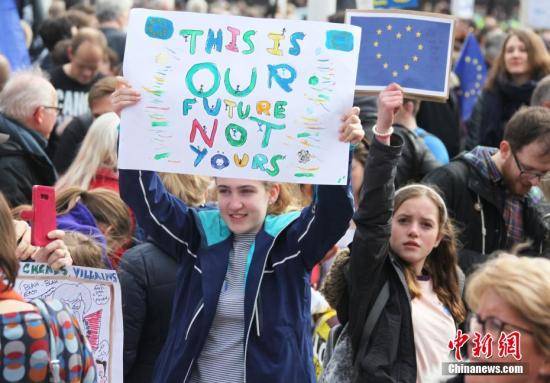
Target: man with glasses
[28, 111]
[490, 191]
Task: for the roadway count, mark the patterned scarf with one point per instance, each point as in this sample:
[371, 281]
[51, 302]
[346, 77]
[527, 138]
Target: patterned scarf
[511, 204]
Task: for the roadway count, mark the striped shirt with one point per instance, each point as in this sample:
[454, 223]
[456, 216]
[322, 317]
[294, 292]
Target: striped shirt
[222, 357]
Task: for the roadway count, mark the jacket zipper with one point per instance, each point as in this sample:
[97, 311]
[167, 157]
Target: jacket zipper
[197, 311]
[256, 299]
[258, 321]
[188, 371]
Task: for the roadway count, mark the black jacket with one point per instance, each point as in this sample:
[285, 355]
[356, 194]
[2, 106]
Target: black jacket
[148, 283]
[70, 141]
[416, 159]
[23, 162]
[461, 183]
[390, 355]
[493, 109]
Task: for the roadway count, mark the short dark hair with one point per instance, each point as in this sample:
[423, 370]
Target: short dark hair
[53, 30]
[527, 125]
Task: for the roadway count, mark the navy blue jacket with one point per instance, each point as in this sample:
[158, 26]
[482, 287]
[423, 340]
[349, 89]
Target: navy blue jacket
[277, 315]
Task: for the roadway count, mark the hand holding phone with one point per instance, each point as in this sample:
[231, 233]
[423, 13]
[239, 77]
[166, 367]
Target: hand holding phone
[42, 217]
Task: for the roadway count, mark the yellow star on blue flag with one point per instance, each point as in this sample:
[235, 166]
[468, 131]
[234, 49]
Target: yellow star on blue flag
[414, 51]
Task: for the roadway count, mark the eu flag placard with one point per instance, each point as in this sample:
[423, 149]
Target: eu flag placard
[472, 72]
[412, 49]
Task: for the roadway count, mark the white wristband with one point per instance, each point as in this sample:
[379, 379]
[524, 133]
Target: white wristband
[380, 134]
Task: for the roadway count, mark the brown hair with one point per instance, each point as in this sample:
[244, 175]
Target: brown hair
[102, 88]
[90, 35]
[527, 125]
[191, 189]
[539, 60]
[441, 263]
[80, 19]
[107, 208]
[85, 251]
[9, 265]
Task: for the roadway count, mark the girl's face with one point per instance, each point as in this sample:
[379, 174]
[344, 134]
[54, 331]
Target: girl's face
[243, 203]
[415, 231]
[516, 58]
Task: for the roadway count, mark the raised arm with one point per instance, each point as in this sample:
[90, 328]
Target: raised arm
[327, 218]
[369, 249]
[165, 218]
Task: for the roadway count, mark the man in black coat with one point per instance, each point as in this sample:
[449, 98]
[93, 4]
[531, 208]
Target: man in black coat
[489, 192]
[28, 111]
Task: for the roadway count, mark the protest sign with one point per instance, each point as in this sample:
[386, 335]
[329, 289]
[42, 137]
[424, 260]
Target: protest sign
[535, 13]
[410, 48]
[94, 297]
[238, 97]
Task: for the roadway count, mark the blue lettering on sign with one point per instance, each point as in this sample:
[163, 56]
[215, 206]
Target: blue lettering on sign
[339, 40]
[159, 28]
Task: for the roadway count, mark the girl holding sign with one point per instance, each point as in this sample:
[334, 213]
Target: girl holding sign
[242, 303]
[404, 299]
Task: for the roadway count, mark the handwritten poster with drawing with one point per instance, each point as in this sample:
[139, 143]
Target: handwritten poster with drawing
[238, 97]
[94, 296]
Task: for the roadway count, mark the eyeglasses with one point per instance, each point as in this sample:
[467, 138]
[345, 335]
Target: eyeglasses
[58, 109]
[492, 325]
[529, 174]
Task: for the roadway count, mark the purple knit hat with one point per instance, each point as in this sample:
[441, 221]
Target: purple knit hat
[80, 219]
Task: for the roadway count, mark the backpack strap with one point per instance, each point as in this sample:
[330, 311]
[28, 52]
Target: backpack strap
[371, 321]
[54, 362]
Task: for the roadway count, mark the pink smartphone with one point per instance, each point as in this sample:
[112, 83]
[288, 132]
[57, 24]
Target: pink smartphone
[42, 216]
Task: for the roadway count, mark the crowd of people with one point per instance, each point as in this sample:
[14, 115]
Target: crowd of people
[443, 228]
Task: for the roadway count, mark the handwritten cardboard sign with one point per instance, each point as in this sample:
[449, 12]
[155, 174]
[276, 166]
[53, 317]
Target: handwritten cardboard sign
[94, 296]
[238, 97]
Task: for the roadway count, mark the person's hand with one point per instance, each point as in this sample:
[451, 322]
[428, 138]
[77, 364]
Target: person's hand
[24, 250]
[55, 253]
[351, 129]
[389, 102]
[124, 95]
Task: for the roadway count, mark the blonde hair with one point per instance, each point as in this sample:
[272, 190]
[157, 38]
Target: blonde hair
[284, 202]
[98, 150]
[85, 250]
[441, 263]
[522, 282]
[191, 189]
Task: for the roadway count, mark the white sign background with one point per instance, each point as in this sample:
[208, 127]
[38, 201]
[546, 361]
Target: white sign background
[157, 133]
[95, 298]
